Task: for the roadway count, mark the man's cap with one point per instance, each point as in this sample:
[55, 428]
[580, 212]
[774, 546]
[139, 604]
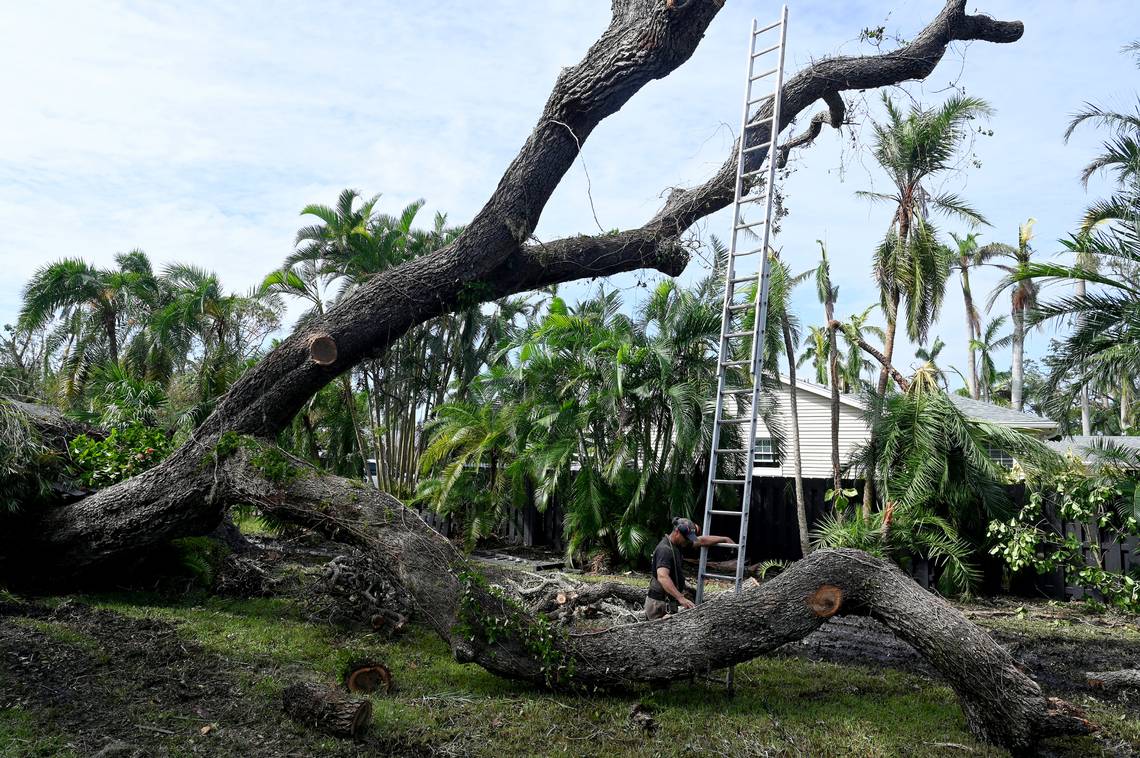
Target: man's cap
[687, 528]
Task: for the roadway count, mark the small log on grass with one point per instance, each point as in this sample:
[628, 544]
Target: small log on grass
[326, 709]
[1124, 679]
[367, 676]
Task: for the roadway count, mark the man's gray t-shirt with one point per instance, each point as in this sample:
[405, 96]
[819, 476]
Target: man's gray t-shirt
[666, 555]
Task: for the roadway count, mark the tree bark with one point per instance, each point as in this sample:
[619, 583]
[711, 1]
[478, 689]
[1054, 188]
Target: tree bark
[1086, 416]
[833, 372]
[326, 710]
[1017, 365]
[797, 460]
[1115, 680]
[972, 329]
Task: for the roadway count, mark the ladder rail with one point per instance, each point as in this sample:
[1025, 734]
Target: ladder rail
[760, 304]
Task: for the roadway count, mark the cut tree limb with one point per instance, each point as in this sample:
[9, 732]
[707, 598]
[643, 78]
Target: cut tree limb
[1124, 679]
[326, 710]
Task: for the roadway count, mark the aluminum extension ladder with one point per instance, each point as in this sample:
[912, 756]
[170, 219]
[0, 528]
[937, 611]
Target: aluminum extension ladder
[743, 407]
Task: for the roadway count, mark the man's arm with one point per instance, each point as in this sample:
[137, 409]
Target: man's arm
[666, 582]
[712, 540]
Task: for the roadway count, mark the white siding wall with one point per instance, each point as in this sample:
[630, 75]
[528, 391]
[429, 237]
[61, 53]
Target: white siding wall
[815, 434]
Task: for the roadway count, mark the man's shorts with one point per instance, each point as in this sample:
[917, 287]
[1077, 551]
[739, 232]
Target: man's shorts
[655, 609]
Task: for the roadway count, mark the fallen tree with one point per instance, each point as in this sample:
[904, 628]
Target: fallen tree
[230, 458]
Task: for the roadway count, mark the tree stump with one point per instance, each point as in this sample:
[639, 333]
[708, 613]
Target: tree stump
[326, 710]
[367, 676]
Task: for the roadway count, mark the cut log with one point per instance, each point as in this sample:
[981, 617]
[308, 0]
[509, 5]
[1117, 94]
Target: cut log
[388, 621]
[326, 710]
[1124, 679]
[367, 676]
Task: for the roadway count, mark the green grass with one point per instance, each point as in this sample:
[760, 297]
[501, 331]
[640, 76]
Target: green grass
[782, 706]
[22, 735]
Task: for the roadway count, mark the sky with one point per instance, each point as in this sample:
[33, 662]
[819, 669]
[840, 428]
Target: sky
[198, 130]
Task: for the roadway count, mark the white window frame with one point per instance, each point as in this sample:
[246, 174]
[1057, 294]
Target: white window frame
[766, 452]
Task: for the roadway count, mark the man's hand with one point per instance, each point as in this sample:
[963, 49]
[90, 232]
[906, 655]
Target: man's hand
[686, 603]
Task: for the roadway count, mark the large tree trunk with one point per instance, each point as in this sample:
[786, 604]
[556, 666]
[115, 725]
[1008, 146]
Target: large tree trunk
[797, 460]
[227, 459]
[1002, 705]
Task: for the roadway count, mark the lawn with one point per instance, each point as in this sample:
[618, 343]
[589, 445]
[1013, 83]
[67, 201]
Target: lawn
[203, 675]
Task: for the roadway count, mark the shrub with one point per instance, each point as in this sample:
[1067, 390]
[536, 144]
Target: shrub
[126, 451]
[27, 467]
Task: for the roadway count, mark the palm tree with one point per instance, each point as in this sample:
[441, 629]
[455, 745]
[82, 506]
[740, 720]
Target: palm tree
[817, 350]
[72, 286]
[929, 357]
[985, 346]
[910, 265]
[782, 282]
[1023, 298]
[828, 293]
[933, 468]
[1081, 245]
[970, 255]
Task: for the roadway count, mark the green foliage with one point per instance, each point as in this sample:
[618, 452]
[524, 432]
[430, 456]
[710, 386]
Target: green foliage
[1105, 503]
[200, 558]
[27, 466]
[126, 451]
[603, 412]
[509, 621]
[904, 534]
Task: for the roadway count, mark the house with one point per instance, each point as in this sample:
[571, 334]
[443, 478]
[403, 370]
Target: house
[813, 403]
[773, 530]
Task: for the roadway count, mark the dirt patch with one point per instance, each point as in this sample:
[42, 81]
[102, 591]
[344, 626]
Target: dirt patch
[136, 687]
[1055, 645]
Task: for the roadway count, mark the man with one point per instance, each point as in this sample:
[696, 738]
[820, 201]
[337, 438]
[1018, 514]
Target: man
[667, 583]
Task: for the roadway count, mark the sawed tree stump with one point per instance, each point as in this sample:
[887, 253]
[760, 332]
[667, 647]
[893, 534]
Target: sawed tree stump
[367, 676]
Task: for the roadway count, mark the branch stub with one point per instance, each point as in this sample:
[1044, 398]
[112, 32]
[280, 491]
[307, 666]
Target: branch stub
[322, 350]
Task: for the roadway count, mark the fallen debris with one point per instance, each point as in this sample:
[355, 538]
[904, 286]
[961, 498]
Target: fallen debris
[326, 709]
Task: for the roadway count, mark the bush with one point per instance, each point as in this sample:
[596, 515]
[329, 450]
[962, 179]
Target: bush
[127, 451]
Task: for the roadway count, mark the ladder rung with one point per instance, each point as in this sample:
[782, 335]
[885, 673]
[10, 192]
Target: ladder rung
[725, 577]
[754, 172]
[757, 147]
[769, 28]
[750, 278]
[761, 99]
[737, 363]
[753, 199]
[730, 481]
[769, 72]
[740, 306]
[736, 421]
[739, 334]
[749, 226]
[741, 391]
[767, 50]
[726, 513]
[729, 545]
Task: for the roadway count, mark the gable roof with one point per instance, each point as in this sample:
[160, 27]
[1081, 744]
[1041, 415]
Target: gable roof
[1084, 447]
[977, 410]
